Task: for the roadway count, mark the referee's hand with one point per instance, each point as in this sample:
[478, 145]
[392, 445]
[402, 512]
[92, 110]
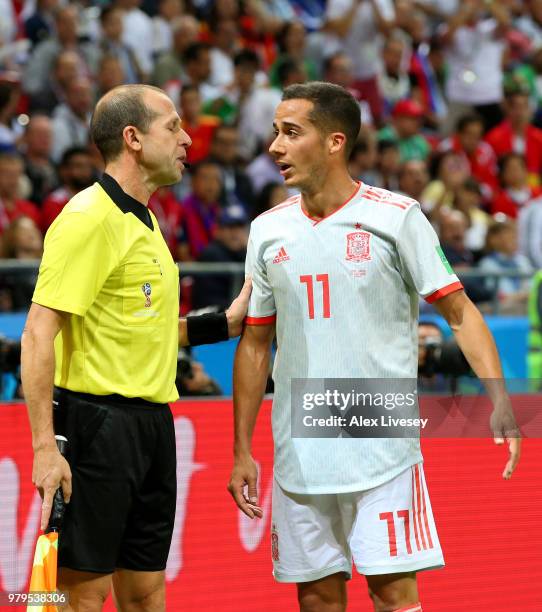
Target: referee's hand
[237, 312]
[50, 471]
[245, 475]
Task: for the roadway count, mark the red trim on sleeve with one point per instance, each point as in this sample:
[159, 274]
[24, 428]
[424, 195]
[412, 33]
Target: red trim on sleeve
[444, 291]
[261, 320]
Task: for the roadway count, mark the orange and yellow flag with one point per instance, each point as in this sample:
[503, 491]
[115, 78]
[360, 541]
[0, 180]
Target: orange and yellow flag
[43, 576]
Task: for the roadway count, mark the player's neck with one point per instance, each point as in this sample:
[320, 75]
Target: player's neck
[329, 196]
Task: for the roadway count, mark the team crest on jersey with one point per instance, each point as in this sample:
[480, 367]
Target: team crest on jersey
[358, 246]
[274, 543]
[147, 290]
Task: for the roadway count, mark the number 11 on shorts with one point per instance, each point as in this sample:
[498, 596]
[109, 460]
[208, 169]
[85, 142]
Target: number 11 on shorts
[390, 519]
[320, 278]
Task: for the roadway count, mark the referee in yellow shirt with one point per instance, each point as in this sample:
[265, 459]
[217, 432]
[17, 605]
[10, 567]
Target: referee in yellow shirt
[103, 334]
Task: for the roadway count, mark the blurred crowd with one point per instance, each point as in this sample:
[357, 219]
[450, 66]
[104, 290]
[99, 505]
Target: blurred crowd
[450, 95]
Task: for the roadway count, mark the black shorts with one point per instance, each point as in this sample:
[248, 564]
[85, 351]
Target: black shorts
[124, 487]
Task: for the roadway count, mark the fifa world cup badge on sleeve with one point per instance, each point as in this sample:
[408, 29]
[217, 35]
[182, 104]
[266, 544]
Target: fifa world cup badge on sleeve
[358, 246]
[147, 290]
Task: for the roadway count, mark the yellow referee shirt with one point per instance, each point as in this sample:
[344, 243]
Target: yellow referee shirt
[106, 263]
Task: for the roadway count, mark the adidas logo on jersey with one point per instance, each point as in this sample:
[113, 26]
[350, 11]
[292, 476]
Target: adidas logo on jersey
[281, 256]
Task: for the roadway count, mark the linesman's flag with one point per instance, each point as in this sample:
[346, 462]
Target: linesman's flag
[44, 570]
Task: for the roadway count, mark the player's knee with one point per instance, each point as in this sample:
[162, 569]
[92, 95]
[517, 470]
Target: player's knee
[393, 601]
[318, 599]
[314, 603]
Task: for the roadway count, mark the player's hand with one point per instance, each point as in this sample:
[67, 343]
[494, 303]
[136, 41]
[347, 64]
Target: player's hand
[237, 312]
[504, 427]
[245, 475]
[50, 471]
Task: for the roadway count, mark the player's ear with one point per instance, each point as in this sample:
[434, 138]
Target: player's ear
[337, 142]
[130, 135]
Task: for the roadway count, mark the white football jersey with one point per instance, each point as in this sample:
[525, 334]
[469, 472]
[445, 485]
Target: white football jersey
[344, 294]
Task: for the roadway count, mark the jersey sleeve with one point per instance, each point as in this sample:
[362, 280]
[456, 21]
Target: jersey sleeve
[261, 308]
[77, 259]
[425, 267]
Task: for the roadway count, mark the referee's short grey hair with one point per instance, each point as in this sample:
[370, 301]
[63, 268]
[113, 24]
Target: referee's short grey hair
[119, 108]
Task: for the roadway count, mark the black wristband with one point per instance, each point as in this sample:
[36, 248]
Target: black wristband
[207, 328]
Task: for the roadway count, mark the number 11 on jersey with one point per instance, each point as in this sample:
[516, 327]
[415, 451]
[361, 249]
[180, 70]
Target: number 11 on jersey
[307, 279]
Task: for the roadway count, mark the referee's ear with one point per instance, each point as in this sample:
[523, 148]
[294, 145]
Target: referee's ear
[131, 137]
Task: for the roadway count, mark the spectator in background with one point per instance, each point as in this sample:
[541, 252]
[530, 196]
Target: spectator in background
[362, 159]
[111, 43]
[530, 232]
[475, 46]
[168, 213]
[413, 178]
[168, 10]
[530, 23]
[271, 195]
[407, 119]
[263, 169]
[229, 245]
[76, 172]
[515, 190]
[469, 200]
[110, 75]
[236, 185]
[66, 68]
[169, 67]
[71, 119]
[225, 41]
[200, 211]
[138, 34]
[12, 206]
[357, 27]
[428, 74]
[23, 240]
[40, 64]
[197, 70]
[337, 69]
[502, 256]
[291, 43]
[467, 142]
[452, 225]
[198, 126]
[516, 134]
[246, 104]
[388, 163]
[40, 24]
[450, 172]
[290, 71]
[9, 96]
[393, 78]
[37, 143]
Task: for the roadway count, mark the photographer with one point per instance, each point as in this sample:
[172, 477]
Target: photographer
[440, 361]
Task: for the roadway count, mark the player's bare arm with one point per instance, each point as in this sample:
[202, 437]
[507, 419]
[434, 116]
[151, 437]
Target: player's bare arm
[250, 371]
[478, 346]
[50, 469]
[235, 315]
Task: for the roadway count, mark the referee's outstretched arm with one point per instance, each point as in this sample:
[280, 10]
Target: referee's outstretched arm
[215, 327]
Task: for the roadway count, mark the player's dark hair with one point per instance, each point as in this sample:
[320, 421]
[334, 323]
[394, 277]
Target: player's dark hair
[122, 106]
[334, 109]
